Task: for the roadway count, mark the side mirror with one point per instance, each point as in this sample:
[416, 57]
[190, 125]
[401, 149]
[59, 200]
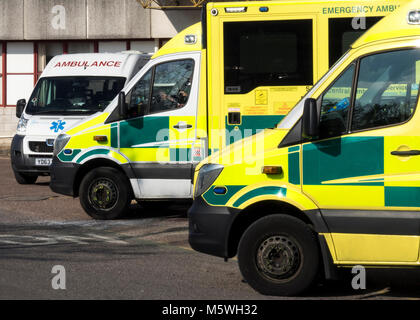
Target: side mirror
[310, 119]
[122, 105]
[20, 106]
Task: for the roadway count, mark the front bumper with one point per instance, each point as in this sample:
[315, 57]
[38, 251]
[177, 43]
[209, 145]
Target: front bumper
[209, 228]
[62, 177]
[25, 163]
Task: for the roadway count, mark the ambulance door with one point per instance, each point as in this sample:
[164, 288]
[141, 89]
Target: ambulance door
[363, 172]
[263, 67]
[159, 136]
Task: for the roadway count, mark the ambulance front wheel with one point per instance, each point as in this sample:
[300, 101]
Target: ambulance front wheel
[279, 255]
[105, 193]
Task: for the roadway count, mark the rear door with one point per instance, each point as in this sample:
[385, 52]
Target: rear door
[160, 132]
[260, 66]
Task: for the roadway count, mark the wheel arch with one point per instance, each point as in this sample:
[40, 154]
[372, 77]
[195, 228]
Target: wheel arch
[257, 211]
[261, 209]
[92, 164]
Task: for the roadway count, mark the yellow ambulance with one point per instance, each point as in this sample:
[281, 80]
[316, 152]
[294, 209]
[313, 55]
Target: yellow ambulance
[336, 183]
[237, 72]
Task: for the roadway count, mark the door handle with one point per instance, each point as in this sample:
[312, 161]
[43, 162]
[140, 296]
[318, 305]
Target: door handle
[406, 153]
[182, 125]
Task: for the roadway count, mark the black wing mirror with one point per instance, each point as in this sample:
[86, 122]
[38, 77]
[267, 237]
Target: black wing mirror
[122, 105]
[20, 106]
[310, 119]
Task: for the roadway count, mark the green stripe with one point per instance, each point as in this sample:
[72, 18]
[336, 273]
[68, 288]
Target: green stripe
[281, 192]
[293, 165]
[91, 153]
[402, 196]
[220, 199]
[180, 154]
[114, 135]
[211, 151]
[67, 158]
[342, 158]
[143, 130]
[250, 125]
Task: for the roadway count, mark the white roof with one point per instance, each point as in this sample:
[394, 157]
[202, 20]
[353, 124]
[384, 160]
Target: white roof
[92, 64]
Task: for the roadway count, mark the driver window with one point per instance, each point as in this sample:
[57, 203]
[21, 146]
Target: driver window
[139, 99]
[171, 85]
[335, 105]
[387, 89]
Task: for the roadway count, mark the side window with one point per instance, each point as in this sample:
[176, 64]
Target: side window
[171, 85]
[343, 32]
[140, 95]
[387, 89]
[335, 105]
[267, 53]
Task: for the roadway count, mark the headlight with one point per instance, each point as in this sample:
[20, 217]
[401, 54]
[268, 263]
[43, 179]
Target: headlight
[60, 143]
[22, 124]
[206, 176]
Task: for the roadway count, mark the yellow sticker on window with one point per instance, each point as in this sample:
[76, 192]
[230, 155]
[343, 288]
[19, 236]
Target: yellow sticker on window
[261, 97]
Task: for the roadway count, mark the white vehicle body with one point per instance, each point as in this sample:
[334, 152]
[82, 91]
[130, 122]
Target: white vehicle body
[71, 88]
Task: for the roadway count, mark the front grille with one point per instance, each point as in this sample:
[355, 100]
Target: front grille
[41, 147]
[40, 156]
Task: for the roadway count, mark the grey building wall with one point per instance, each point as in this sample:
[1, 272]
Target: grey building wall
[89, 19]
[11, 19]
[39, 18]
[166, 24]
[127, 16]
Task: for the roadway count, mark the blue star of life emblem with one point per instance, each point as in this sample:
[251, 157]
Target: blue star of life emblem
[57, 125]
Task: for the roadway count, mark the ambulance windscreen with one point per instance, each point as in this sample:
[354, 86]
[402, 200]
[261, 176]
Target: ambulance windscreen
[73, 95]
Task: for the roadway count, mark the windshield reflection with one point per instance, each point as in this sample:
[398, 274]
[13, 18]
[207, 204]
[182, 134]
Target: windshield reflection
[73, 95]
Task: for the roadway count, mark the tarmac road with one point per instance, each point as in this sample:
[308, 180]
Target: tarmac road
[145, 256]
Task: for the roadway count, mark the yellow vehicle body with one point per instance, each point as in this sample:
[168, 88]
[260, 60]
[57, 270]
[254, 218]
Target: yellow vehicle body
[204, 90]
[356, 183]
[265, 103]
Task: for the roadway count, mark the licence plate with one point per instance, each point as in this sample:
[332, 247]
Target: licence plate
[43, 161]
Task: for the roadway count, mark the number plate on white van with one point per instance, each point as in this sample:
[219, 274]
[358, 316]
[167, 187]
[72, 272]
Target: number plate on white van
[43, 162]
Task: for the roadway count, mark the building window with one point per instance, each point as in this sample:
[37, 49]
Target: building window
[112, 46]
[20, 71]
[47, 51]
[143, 46]
[80, 47]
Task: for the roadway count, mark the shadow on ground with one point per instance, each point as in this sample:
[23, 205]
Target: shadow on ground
[158, 209]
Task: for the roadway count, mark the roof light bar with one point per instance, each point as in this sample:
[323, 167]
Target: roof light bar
[235, 9]
[190, 39]
[413, 17]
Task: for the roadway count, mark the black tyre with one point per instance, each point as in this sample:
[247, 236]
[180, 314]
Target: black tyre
[23, 178]
[105, 193]
[279, 255]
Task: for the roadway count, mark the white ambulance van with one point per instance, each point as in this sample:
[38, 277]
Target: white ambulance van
[72, 87]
